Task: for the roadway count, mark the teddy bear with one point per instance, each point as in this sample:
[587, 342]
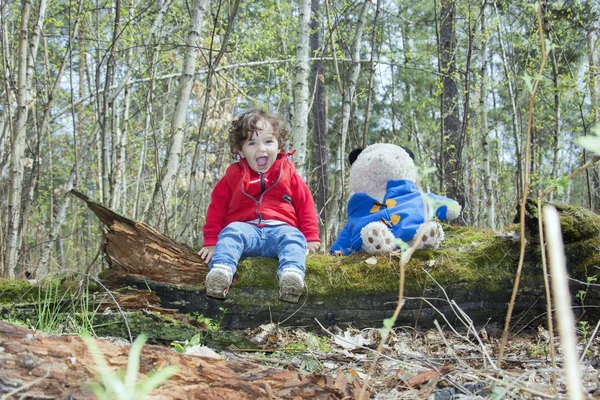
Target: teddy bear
[386, 204]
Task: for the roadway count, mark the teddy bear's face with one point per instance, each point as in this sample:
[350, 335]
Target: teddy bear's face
[378, 164]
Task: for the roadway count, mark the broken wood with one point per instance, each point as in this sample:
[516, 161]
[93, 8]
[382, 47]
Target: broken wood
[42, 366]
[136, 249]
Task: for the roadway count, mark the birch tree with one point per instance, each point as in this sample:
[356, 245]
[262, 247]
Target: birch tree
[490, 201]
[301, 71]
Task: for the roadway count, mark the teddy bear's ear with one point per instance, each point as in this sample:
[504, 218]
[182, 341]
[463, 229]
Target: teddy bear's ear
[354, 155]
[410, 153]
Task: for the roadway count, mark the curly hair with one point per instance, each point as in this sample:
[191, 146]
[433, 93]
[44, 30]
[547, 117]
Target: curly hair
[245, 125]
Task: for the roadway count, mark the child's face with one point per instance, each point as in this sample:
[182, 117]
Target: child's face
[260, 150]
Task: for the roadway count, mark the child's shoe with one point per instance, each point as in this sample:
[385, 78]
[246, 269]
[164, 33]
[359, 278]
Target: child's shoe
[217, 281]
[291, 285]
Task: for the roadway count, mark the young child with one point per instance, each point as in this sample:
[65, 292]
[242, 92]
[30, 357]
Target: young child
[260, 208]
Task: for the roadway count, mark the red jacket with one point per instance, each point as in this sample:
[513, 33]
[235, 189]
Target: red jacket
[245, 195]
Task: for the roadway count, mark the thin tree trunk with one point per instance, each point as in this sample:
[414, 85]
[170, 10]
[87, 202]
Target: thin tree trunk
[107, 108]
[594, 98]
[157, 213]
[413, 132]
[452, 138]
[371, 75]
[17, 203]
[470, 203]
[516, 125]
[347, 101]
[301, 72]
[320, 128]
[145, 138]
[490, 200]
[557, 115]
[18, 149]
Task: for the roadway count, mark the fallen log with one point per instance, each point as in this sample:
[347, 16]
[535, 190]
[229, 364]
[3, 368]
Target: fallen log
[473, 273]
[37, 365]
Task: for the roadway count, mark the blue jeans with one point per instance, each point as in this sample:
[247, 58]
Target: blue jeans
[239, 239]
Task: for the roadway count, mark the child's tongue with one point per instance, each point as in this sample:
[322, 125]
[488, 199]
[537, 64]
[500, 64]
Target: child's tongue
[262, 161]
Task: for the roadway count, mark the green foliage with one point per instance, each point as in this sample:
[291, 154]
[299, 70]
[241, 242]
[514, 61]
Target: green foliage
[591, 142]
[212, 325]
[113, 385]
[194, 341]
[60, 310]
[561, 184]
[582, 293]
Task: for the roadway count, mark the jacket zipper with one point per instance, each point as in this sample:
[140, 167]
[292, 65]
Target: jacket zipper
[262, 176]
[262, 182]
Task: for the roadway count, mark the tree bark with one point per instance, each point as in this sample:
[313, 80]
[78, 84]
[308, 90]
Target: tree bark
[106, 133]
[136, 249]
[39, 365]
[452, 137]
[301, 72]
[319, 110]
[490, 199]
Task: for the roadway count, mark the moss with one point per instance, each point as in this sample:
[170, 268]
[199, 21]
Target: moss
[471, 255]
[584, 256]
[467, 255]
[164, 328]
[577, 223]
[15, 291]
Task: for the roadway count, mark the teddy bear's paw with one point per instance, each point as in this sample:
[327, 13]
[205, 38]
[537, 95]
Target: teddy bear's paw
[377, 238]
[433, 235]
[454, 210]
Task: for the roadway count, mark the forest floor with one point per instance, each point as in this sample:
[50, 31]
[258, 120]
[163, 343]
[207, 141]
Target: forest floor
[424, 364]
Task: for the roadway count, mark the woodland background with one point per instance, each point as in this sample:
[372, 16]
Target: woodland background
[129, 102]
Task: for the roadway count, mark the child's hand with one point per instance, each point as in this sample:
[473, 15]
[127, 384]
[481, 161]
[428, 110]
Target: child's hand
[206, 253]
[313, 246]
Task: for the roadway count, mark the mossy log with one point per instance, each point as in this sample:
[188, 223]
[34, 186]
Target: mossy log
[36, 365]
[474, 270]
